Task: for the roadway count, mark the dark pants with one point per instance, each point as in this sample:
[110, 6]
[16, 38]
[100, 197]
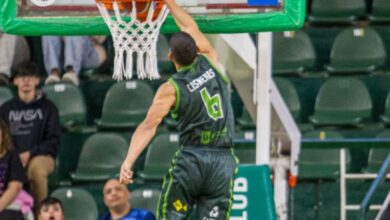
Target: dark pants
[200, 181]
[11, 215]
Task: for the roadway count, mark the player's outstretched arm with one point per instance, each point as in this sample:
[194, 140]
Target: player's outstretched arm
[163, 101]
[187, 24]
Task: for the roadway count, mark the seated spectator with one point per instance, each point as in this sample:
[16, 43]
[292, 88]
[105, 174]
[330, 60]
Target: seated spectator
[50, 209]
[35, 128]
[12, 176]
[13, 51]
[79, 52]
[117, 199]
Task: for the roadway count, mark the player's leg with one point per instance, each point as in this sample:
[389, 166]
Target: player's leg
[218, 199]
[176, 199]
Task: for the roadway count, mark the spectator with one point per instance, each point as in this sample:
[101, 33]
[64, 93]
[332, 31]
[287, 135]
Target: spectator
[117, 199]
[13, 51]
[79, 52]
[12, 175]
[34, 126]
[50, 209]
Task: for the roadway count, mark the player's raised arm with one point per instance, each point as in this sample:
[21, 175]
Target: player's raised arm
[163, 101]
[187, 24]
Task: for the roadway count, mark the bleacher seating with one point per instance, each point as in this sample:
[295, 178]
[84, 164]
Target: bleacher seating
[5, 94]
[377, 156]
[146, 198]
[385, 117]
[335, 11]
[380, 11]
[342, 101]
[245, 121]
[357, 50]
[245, 151]
[159, 156]
[321, 163]
[70, 103]
[125, 105]
[293, 52]
[78, 204]
[101, 157]
[290, 96]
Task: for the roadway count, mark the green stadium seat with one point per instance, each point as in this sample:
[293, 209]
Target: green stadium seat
[245, 150]
[5, 94]
[321, 163]
[159, 156]
[336, 11]
[290, 96]
[78, 204]
[125, 105]
[145, 198]
[356, 50]
[245, 121]
[342, 101]
[165, 66]
[70, 103]
[385, 118]
[101, 157]
[380, 11]
[377, 156]
[293, 52]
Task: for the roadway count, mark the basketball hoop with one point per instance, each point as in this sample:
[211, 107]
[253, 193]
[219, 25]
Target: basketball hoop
[134, 26]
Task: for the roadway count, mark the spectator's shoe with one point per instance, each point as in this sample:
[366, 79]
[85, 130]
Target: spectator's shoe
[71, 77]
[51, 79]
[4, 80]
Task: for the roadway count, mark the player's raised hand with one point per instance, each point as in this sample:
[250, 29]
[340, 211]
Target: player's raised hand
[126, 174]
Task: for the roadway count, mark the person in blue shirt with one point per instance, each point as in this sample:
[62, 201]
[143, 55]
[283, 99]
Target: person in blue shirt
[117, 199]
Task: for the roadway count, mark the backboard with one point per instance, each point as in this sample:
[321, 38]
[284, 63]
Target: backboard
[81, 17]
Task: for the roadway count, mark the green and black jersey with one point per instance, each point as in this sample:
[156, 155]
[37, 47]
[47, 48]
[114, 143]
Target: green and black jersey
[203, 108]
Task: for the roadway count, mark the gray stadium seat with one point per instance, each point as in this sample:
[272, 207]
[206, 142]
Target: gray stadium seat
[385, 117]
[146, 198]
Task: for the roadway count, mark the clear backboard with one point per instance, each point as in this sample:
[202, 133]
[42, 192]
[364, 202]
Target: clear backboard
[81, 17]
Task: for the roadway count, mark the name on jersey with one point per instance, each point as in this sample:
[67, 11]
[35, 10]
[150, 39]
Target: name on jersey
[198, 82]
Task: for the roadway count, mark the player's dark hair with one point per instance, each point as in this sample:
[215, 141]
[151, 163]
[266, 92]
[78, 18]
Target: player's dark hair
[183, 48]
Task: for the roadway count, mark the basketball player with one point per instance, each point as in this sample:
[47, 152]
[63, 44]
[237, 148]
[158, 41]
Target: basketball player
[197, 95]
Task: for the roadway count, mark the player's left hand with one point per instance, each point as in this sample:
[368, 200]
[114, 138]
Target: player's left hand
[126, 174]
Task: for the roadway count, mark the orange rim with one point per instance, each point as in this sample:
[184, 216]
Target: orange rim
[140, 15]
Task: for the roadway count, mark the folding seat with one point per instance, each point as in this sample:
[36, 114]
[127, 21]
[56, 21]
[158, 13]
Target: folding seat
[342, 101]
[331, 11]
[101, 157]
[380, 11]
[245, 150]
[377, 156]
[146, 198]
[385, 118]
[245, 121]
[290, 96]
[159, 156]
[78, 204]
[5, 94]
[70, 103]
[321, 163]
[293, 52]
[356, 50]
[125, 105]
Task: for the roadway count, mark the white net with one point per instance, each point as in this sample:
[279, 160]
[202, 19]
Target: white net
[132, 36]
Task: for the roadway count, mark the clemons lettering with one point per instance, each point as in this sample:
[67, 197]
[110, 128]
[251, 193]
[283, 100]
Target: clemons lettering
[201, 80]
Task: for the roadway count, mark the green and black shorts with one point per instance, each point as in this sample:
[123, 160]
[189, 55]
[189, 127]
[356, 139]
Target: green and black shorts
[200, 183]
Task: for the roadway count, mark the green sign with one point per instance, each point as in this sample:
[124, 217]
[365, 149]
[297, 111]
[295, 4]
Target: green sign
[253, 194]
